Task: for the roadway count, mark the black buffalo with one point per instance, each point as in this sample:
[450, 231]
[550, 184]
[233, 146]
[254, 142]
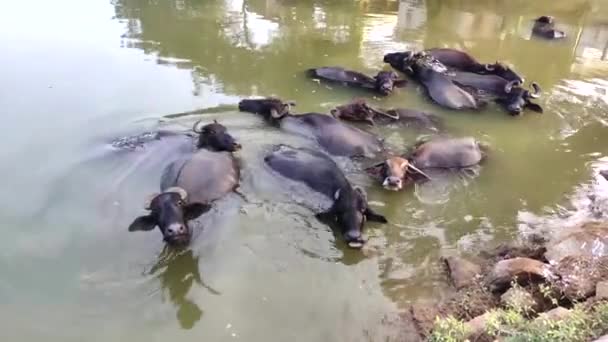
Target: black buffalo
[349, 211]
[190, 184]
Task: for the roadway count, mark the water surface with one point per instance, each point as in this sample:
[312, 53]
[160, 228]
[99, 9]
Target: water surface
[79, 74]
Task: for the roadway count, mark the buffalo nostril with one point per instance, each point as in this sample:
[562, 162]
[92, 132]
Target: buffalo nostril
[392, 182]
[176, 229]
[354, 239]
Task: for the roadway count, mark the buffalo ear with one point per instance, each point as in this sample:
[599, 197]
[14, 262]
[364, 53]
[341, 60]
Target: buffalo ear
[400, 83]
[194, 210]
[535, 107]
[375, 170]
[373, 216]
[143, 223]
[326, 217]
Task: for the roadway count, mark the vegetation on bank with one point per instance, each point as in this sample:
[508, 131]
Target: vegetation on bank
[584, 322]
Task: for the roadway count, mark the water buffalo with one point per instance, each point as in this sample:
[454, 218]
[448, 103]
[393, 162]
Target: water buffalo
[396, 172]
[462, 61]
[190, 184]
[360, 111]
[515, 98]
[448, 153]
[510, 94]
[544, 27]
[440, 153]
[349, 211]
[334, 136]
[433, 75]
[384, 82]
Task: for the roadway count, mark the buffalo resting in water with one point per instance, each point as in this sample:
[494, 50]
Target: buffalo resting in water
[360, 111]
[439, 153]
[464, 90]
[544, 27]
[334, 136]
[462, 61]
[316, 170]
[434, 77]
[383, 83]
[190, 184]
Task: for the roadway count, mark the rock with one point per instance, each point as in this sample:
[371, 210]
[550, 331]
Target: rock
[423, 316]
[462, 272]
[601, 290]
[602, 339]
[517, 297]
[523, 270]
[579, 275]
[477, 325]
[588, 240]
[556, 314]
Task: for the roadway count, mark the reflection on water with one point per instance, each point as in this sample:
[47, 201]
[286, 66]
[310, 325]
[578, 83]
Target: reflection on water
[177, 272]
[163, 64]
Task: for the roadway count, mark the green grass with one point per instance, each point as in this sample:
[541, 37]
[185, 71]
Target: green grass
[511, 324]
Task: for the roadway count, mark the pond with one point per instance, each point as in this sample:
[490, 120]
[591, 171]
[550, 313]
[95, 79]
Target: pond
[77, 75]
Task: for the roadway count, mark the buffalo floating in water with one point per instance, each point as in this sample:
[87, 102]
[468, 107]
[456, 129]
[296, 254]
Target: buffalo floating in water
[434, 76]
[509, 94]
[462, 61]
[384, 82]
[190, 184]
[439, 153]
[544, 27]
[350, 209]
[360, 111]
[333, 135]
[515, 98]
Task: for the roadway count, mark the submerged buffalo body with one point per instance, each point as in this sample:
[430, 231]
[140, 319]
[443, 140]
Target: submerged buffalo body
[333, 135]
[189, 185]
[434, 76]
[320, 173]
[462, 61]
[360, 111]
[384, 82]
[447, 153]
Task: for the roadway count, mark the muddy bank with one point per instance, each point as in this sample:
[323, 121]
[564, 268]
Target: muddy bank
[541, 279]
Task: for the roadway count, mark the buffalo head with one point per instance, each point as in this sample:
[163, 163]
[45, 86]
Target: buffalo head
[400, 60]
[171, 212]
[350, 212]
[270, 108]
[393, 172]
[516, 98]
[215, 137]
[359, 110]
[386, 81]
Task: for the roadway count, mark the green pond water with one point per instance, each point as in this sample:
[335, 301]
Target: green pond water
[77, 75]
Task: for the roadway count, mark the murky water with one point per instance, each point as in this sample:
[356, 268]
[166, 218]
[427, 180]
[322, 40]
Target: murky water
[78, 74]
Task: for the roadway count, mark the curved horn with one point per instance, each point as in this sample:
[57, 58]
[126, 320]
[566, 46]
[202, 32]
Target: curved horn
[489, 67]
[275, 114]
[410, 165]
[537, 91]
[394, 116]
[149, 200]
[510, 84]
[180, 191]
[195, 126]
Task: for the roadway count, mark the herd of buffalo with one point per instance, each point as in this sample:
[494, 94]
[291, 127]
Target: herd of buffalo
[452, 79]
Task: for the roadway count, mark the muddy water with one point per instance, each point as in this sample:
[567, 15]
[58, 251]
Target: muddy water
[78, 75]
